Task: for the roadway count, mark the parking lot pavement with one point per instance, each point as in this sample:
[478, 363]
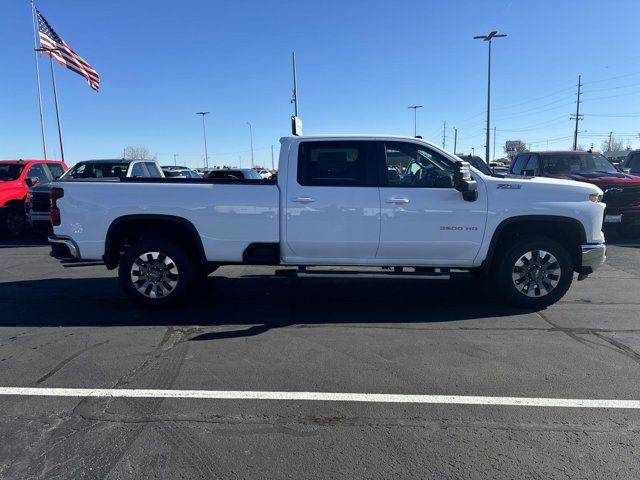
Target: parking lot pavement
[247, 331]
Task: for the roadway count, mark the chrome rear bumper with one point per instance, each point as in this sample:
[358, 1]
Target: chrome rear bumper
[63, 247]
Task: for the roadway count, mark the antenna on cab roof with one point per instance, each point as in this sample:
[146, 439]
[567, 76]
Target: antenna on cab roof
[296, 123]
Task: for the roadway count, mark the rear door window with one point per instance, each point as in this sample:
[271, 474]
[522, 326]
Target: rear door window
[337, 164]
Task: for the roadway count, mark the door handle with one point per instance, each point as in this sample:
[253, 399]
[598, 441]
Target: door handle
[397, 200]
[303, 200]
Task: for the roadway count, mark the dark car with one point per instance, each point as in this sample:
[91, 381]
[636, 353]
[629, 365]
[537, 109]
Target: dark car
[631, 164]
[234, 174]
[621, 190]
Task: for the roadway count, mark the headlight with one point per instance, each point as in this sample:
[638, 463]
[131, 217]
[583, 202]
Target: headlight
[594, 197]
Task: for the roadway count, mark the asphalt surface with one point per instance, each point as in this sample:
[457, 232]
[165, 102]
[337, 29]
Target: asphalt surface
[246, 330]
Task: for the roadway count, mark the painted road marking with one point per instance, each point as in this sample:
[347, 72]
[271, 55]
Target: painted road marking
[322, 397]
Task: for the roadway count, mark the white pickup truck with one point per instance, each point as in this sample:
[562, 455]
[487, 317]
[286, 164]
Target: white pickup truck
[372, 201]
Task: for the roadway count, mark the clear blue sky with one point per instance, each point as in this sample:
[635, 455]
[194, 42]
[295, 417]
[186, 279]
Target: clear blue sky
[360, 63]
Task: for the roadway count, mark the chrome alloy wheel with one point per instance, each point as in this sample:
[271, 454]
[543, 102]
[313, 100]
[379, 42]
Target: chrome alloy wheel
[536, 273]
[154, 275]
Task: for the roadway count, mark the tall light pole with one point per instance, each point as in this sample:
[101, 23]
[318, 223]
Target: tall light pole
[204, 133]
[488, 38]
[415, 118]
[251, 137]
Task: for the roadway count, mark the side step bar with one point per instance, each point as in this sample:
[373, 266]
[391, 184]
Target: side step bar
[306, 273]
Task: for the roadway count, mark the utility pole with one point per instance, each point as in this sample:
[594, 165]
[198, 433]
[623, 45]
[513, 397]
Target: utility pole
[577, 117]
[175, 159]
[415, 118]
[204, 132]
[444, 135]
[610, 135]
[473, 151]
[494, 143]
[488, 38]
[251, 137]
[455, 140]
[272, 164]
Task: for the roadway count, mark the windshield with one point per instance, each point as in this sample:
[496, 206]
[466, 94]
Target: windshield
[97, 170]
[10, 171]
[577, 163]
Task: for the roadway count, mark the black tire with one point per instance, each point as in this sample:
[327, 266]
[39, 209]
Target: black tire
[163, 271]
[541, 282]
[13, 221]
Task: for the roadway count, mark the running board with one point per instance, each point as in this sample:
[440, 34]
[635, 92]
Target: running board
[294, 273]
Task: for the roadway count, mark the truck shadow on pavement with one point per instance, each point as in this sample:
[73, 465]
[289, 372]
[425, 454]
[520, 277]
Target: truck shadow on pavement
[259, 302]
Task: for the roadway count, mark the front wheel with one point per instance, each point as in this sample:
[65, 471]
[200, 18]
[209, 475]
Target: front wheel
[155, 273]
[534, 272]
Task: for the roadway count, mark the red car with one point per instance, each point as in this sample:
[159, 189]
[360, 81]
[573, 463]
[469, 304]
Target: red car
[16, 176]
[621, 190]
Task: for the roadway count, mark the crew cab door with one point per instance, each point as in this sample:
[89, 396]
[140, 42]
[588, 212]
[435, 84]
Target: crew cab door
[332, 203]
[424, 220]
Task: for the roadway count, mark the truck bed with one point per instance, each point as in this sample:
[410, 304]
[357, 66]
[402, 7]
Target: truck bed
[228, 215]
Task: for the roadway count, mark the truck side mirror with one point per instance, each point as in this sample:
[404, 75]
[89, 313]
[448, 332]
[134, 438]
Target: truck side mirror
[31, 181]
[463, 182]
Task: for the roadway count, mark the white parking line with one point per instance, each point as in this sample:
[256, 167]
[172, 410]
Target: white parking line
[322, 397]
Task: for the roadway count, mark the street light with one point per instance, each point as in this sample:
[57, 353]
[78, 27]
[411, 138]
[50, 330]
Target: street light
[415, 118]
[251, 137]
[204, 132]
[489, 38]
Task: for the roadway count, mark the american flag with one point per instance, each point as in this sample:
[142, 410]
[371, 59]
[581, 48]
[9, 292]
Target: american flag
[64, 54]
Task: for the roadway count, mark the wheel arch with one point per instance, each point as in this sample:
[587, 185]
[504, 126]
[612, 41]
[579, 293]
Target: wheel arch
[566, 230]
[130, 228]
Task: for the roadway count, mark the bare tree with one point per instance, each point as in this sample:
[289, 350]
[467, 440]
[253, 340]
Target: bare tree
[613, 145]
[513, 147]
[138, 153]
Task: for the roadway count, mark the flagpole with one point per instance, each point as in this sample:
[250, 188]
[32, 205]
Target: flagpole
[55, 98]
[35, 56]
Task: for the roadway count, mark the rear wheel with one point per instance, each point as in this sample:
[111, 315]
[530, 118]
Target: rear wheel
[534, 272]
[155, 272]
[14, 222]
